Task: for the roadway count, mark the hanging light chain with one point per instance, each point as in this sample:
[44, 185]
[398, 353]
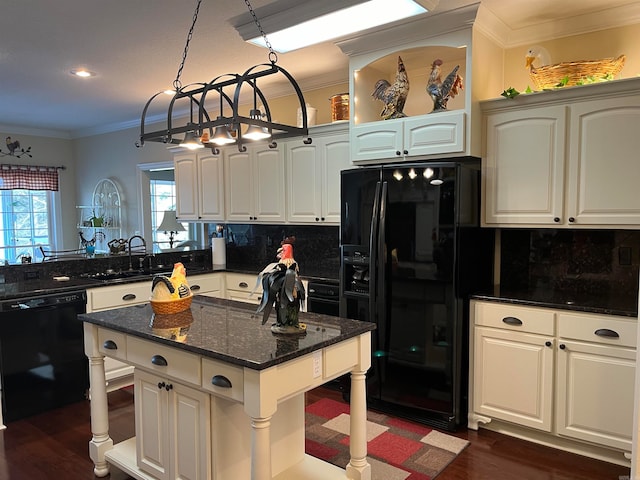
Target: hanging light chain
[177, 84]
[273, 56]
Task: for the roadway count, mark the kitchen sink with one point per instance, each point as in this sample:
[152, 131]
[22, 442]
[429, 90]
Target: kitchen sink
[112, 276]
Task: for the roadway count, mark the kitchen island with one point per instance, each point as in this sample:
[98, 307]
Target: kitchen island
[218, 395]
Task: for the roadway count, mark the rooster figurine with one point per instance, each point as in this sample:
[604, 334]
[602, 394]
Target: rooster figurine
[441, 91]
[283, 290]
[393, 95]
[171, 288]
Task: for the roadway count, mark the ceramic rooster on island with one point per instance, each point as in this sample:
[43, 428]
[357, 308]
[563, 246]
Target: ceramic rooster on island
[283, 290]
[441, 91]
[393, 95]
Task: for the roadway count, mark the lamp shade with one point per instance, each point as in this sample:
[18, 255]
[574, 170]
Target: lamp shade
[170, 223]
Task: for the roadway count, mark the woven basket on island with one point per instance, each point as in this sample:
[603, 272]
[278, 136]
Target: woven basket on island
[576, 73]
[171, 306]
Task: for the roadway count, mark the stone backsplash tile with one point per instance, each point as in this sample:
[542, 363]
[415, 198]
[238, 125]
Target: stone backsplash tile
[574, 261]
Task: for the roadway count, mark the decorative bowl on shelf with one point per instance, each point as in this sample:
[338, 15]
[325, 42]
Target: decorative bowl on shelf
[576, 73]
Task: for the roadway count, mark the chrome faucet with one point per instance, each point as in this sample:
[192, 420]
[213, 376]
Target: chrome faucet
[144, 243]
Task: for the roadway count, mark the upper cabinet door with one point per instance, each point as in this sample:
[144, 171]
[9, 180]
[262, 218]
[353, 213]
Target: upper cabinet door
[211, 183]
[239, 186]
[523, 169]
[186, 178]
[604, 167]
[269, 186]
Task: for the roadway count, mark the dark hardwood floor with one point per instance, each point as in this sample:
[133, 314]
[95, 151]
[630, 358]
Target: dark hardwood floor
[54, 446]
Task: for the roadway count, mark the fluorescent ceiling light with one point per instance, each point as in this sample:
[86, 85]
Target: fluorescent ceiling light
[345, 21]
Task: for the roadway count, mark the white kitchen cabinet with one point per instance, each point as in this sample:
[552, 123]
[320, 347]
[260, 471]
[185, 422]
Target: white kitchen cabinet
[172, 428]
[239, 287]
[199, 178]
[209, 285]
[596, 374]
[513, 364]
[566, 377]
[118, 374]
[255, 184]
[313, 178]
[408, 138]
[565, 158]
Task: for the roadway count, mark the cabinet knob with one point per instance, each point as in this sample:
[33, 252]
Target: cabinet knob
[195, 288]
[110, 345]
[129, 296]
[547, 343]
[406, 152]
[317, 219]
[168, 386]
[322, 218]
[243, 285]
[161, 385]
[556, 219]
[562, 346]
[571, 219]
[398, 152]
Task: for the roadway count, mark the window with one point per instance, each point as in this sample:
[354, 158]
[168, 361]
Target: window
[163, 197]
[24, 224]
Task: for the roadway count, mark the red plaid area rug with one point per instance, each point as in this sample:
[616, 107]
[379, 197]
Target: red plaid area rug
[397, 449]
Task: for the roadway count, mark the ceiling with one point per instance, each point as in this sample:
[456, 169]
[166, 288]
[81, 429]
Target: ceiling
[135, 48]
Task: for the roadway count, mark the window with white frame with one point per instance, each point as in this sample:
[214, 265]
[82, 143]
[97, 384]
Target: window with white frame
[163, 197]
[24, 223]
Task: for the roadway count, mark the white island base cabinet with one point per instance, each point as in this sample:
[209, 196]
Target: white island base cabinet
[188, 427]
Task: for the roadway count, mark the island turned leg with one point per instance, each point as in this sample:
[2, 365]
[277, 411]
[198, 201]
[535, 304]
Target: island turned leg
[260, 448]
[358, 467]
[100, 442]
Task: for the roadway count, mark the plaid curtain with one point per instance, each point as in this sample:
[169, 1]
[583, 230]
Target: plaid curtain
[28, 177]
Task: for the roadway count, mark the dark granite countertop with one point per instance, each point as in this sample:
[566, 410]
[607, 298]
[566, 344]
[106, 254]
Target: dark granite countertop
[605, 303]
[229, 331]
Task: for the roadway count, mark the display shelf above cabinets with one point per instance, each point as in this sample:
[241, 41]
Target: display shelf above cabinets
[425, 131]
[199, 178]
[564, 158]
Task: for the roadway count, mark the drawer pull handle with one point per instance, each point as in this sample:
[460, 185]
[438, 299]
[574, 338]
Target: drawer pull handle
[243, 285]
[221, 381]
[159, 360]
[195, 288]
[129, 296]
[110, 345]
[605, 332]
[512, 321]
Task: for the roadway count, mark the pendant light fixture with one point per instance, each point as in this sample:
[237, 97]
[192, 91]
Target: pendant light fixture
[224, 94]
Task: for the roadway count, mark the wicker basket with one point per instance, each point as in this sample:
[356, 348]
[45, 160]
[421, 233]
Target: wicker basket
[171, 306]
[550, 76]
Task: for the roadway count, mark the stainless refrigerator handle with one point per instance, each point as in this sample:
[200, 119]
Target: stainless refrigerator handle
[373, 254]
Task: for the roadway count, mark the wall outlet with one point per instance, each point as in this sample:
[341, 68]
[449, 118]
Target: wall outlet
[317, 364]
[624, 255]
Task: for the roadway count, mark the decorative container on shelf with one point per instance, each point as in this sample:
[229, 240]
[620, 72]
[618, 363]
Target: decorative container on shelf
[568, 74]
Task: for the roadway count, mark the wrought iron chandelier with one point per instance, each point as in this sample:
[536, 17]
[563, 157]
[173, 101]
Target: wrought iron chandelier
[223, 93]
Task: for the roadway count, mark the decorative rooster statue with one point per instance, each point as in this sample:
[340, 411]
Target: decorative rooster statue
[171, 288]
[441, 91]
[12, 145]
[282, 289]
[393, 95]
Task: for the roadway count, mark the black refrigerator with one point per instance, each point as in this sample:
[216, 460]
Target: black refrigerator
[412, 252]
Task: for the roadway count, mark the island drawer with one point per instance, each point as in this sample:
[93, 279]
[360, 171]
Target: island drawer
[164, 360]
[112, 344]
[118, 296]
[514, 317]
[223, 379]
[598, 328]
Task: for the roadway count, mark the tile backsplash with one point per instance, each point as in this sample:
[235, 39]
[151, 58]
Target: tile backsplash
[253, 246]
[578, 261]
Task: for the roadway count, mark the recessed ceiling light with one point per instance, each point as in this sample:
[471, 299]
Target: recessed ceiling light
[81, 72]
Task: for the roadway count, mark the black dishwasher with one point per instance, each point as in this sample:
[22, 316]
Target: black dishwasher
[42, 360]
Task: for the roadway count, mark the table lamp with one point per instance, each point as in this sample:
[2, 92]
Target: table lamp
[170, 225]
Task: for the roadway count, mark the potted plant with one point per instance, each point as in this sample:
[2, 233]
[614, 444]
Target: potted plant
[96, 220]
[284, 291]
